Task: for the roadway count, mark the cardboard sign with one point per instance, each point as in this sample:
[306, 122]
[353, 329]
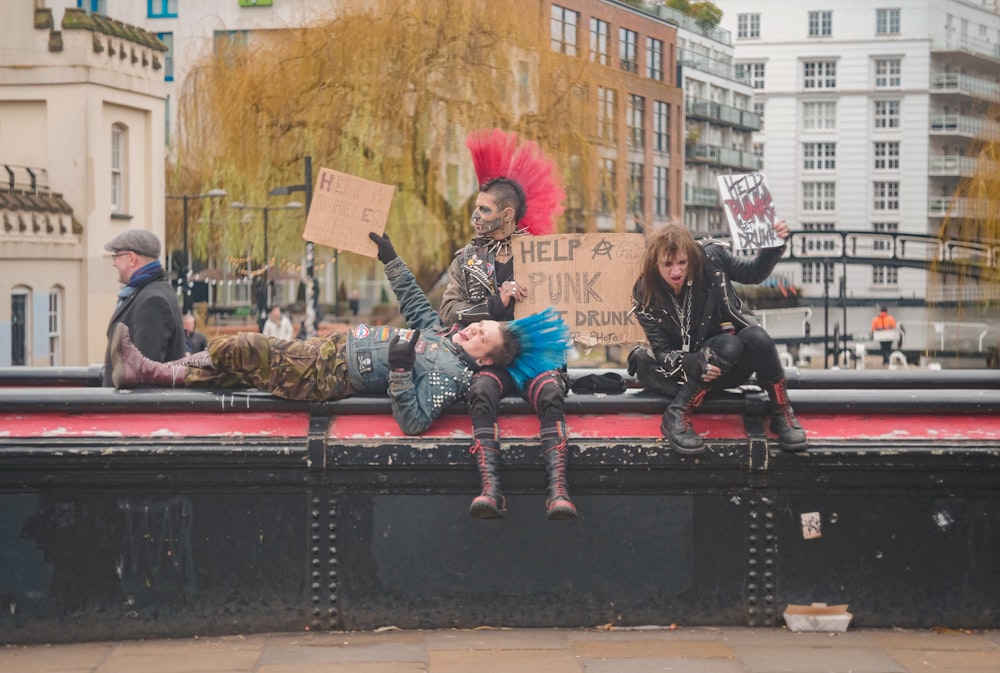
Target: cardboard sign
[587, 278]
[344, 209]
[750, 211]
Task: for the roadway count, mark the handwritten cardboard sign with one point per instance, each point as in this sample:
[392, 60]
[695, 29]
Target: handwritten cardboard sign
[749, 209]
[587, 278]
[344, 209]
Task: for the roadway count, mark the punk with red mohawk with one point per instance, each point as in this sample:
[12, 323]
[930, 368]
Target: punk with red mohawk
[498, 155]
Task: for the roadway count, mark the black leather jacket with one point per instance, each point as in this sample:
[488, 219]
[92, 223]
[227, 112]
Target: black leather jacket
[714, 303]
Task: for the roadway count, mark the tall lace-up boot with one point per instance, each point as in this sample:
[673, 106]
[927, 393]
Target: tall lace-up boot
[489, 504]
[783, 421]
[558, 506]
[676, 425]
[130, 368]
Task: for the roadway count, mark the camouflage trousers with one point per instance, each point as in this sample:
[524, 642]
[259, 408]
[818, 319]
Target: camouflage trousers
[313, 370]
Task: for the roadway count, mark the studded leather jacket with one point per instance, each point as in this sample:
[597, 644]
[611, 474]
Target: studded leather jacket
[441, 373]
[715, 305]
[473, 280]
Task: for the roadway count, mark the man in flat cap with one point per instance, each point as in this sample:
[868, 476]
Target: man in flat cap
[147, 303]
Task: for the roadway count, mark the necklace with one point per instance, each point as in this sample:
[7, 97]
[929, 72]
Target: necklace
[683, 318]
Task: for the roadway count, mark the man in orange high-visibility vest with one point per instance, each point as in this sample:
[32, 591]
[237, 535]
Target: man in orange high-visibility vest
[882, 322]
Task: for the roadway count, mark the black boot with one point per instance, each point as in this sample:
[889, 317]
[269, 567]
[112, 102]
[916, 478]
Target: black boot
[130, 368]
[676, 425]
[558, 506]
[783, 421]
[490, 503]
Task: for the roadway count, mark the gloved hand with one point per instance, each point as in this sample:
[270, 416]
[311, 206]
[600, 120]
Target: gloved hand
[401, 353]
[386, 253]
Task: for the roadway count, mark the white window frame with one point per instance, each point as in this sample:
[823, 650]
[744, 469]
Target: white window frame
[885, 196]
[819, 197]
[886, 155]
[888, 72]
[119, 167]
[886, 114]
[819, 74]
[819, 115]
[821, 23]
[55, 327]
[820, 156]
[887, 21]
[748, 26]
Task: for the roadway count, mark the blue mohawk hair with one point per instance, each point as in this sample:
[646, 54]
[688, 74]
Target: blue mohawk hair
[544, 339]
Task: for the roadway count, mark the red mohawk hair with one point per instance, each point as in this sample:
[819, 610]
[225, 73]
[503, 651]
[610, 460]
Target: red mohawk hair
[498, 154]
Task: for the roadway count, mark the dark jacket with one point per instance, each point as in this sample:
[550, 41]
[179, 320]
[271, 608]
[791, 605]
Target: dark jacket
[154, 324]
[473, 279]
[715, 301]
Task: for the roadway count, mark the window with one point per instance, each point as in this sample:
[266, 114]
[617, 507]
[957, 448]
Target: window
[886, 196]
[635, 114]
[819, 156]
[887, 114]
[747, 26]
[752, 73]
[661, 126]
[608, 179]
[819, 196]
[168, 57]
[886, 156]
[819, 74]
[119, 168]
[55, 327]
[887, 73]
[817, 272]
[758, 150]
[19, 327]
[161, 9]
[94, 6]
[636, 198]
[230, 39]
[758, 109]
[654, 59]
[887, 22]
[820, 24]
[661, 191]
[882, 274]
[627, 48]
[821, 116]
[607, 114]
[600, 36]
[564, 23]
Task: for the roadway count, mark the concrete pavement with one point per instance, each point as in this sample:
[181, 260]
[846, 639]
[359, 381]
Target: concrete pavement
[683, 650]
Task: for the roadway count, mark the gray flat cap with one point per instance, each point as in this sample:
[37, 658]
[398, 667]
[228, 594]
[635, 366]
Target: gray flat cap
[139, 241]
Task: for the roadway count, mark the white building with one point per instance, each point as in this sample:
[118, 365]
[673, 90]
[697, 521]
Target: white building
[720, 119]
[81, 159]
[869, 110]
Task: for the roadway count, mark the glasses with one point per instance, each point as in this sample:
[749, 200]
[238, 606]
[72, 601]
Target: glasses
[119, 254]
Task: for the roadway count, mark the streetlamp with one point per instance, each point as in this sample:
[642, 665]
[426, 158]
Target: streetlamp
[312, 296]
[185, 270]
[239, 205]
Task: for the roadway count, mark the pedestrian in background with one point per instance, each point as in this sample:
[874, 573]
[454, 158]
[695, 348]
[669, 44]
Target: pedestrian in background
[884, 331]
[147, 302]
[278, 325]
[194, 341]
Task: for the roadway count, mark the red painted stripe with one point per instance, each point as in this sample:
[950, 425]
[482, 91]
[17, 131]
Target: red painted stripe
[591, 426]
[187, 424]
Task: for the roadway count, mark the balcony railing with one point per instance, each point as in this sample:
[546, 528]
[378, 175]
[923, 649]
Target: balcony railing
[964, 125]
[701, 196]
[952, 165]
[967, 45]
[726, 69]
[955, 83]
[722, 156]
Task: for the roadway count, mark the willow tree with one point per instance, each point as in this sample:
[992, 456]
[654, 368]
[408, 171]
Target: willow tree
[975, 217]
[385, 90]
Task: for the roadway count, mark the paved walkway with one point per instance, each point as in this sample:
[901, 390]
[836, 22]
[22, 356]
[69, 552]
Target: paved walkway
[684, 650]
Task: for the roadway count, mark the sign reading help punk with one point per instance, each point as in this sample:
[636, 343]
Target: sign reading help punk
[344, 209]
[750, 210]
[587, 278]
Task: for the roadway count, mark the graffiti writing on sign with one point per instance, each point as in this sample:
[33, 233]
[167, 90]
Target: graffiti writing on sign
[586, 278]
[749, 209]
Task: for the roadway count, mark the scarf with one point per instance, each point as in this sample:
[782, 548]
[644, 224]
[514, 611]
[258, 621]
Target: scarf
[143, 276]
